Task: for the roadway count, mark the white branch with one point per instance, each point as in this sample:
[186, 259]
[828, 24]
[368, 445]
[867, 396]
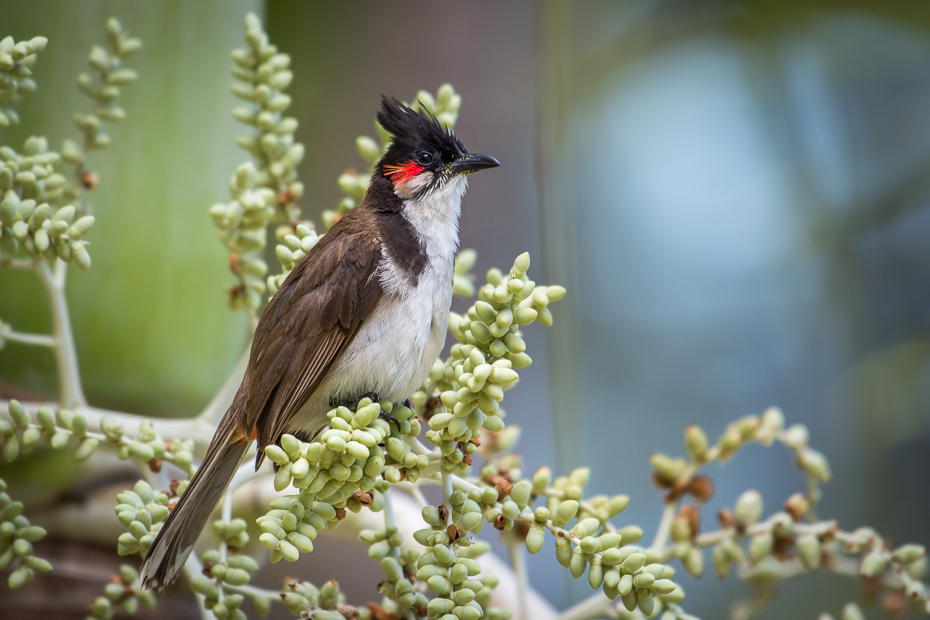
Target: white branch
[518, 563]
[71, 393]
[192, 570]
[218, 406]
[665, 525]
[20, 263]
[595, 606]
[197, 430]
[39, 340]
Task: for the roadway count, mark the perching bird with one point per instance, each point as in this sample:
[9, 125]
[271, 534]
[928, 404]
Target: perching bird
[365, 311]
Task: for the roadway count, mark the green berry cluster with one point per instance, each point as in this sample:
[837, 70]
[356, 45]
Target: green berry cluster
[812, 544]
[241, 226]
[16, 538]
[634, 574]
[143, 511]
[269, 191]
[31, 223]
[444, 106]
[53, 429]
[220, 575]
[292, 524]
[148, 446]
[482, 366]
[462, 285]
[789, 542]
[449, 566]
[262, 75]
[308, 602]
[459, 594]
[123, 591]
[609, 555]
[40, 210]
[401, 598]
[292, 248]
[348, 457]
[62, 428]
[349, 466]
[30, 175]
[233, 533]
[678, 474]
[805, 547]
[16, 62]
[103, 88]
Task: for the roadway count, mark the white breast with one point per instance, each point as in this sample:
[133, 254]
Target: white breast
[397, 344]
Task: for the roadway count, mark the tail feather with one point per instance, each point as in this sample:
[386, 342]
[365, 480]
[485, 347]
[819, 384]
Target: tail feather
[167, 555]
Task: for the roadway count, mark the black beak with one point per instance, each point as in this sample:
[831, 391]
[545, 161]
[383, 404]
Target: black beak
[473, 162]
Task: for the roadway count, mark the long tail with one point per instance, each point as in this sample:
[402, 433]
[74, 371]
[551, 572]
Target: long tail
[175, 541]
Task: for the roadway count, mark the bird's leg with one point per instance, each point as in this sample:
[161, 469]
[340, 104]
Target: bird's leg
[387, 417]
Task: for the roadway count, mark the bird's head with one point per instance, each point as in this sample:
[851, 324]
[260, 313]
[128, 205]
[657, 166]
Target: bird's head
[423, 156]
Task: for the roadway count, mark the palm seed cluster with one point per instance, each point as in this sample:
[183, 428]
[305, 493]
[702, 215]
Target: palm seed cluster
[483, 365]
[123, 592]
[41, 211]
[65, 428]
[361, 457]
[266, 192]
[16, 538]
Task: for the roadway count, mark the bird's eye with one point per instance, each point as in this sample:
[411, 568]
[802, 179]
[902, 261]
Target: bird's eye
[424, 158]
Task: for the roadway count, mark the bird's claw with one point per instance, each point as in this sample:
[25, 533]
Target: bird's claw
[384, 415]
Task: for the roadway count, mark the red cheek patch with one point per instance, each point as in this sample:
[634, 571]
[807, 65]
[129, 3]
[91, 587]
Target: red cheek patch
[400, 174]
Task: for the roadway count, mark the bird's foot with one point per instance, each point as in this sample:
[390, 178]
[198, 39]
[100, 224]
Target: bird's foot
[387, 417]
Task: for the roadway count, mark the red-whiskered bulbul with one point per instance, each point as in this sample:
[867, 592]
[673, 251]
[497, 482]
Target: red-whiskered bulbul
[364, 312]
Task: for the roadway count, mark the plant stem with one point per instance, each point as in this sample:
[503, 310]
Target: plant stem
[195, 429]
[447, 493]
[389, 521]
[227, 517]
[518, 562]
[595, 606]
[71, 394]
[665, 525]
[248, 590]
[192, 570]
[39, 340]
[220, 403]
[415, 492]
[417, 446]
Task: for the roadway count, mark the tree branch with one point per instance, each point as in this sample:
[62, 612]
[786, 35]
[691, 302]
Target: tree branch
[38, 340]
[71, 394]
[198, 430]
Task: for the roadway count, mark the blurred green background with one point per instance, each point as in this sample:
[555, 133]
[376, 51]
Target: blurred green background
[735, 194]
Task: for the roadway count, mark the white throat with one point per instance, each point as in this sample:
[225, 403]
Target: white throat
[435, 217]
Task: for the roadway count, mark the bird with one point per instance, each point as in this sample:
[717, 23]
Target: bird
[365, 312]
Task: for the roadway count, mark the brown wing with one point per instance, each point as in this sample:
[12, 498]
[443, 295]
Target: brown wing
[308, 323]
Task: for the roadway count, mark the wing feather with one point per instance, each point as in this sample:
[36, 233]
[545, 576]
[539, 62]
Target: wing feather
[308, 323]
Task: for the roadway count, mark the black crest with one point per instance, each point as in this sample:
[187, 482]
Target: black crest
[416, 129]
